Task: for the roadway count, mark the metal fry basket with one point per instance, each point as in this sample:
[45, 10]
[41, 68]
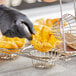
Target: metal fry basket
[65, 30]
[49, 58]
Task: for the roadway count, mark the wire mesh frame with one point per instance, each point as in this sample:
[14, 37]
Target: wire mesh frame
[65, 29]
[51, 57]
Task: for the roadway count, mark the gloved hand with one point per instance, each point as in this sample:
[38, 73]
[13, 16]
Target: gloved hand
[12, 23]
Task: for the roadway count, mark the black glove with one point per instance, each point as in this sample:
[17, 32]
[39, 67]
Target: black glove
[12, 23]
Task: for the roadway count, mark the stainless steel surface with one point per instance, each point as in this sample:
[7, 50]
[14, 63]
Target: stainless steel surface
[23, 67]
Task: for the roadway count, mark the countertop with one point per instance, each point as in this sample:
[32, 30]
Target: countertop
[23, 67]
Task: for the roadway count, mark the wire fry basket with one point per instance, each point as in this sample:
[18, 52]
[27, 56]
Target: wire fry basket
[65, 30]
[50, 57]
[5, 55]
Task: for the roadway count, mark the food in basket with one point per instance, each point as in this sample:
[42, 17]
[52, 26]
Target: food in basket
[11, 43]
[71, 40]
[44, 40]
[49, 0]
[49, 22]
[68, 47]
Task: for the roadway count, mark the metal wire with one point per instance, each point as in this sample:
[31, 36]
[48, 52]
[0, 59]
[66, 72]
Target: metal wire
[63, 34]
[75, 7]
[69, 27]
[51, 57]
